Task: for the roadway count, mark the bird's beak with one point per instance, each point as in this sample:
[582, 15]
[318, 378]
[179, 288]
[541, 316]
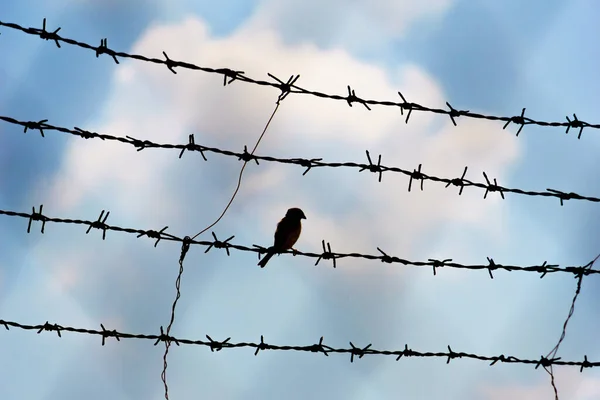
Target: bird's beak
[303, 217]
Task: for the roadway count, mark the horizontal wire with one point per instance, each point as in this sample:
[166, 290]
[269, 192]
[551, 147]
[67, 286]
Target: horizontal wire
[320, 347]
[289, 86]
[416, 174]
[327, 253]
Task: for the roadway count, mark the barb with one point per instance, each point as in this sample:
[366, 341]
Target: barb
[327, 254]
[320, 347]
[487, 186]
[552, 354]
[227, 73]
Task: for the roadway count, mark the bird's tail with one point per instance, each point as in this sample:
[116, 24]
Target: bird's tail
[266, 259]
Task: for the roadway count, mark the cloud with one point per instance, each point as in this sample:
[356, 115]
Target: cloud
[352, 210]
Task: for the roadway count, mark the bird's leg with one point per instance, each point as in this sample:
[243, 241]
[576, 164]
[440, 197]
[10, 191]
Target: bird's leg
[294, 251]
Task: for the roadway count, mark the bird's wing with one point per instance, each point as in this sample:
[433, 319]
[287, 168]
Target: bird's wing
[281, 233]
[287, 234]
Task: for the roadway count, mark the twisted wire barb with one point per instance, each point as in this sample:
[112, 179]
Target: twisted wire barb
[416, 174]
[231, 75]
[355, 352]
[327, 253]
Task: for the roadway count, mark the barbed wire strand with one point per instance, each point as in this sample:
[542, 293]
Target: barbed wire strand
[489, 186]
[187, 239]
[554, 351]
[355, 352]
[231, 75]
[157, 235]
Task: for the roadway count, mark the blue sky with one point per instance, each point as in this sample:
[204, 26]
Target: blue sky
[485, 56]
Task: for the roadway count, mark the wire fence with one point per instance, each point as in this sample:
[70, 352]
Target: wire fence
[286, 88]
[416, 175]
[546, 362]
[289, 87]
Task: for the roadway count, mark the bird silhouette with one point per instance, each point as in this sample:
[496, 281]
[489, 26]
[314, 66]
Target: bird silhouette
[287, 233]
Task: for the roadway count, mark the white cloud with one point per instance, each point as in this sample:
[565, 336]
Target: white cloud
[153, 104]
[351, 210]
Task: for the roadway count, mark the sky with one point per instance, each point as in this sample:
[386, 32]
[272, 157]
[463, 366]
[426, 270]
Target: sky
[485, 56]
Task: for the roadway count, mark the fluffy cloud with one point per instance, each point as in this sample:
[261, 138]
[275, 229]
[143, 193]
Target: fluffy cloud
[150, 103]
[353, 211]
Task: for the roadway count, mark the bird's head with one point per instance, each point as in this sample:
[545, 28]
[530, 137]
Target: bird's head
[295, 213]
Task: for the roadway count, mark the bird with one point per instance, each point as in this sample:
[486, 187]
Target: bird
[287, 233]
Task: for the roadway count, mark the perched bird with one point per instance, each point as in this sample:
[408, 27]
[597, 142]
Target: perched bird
[288, 231]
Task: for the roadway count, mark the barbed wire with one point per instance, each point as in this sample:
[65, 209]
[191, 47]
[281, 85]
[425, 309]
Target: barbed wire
[320, 347]
[231, 75]
[327, 254]
[351, 98]
[490, 186]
